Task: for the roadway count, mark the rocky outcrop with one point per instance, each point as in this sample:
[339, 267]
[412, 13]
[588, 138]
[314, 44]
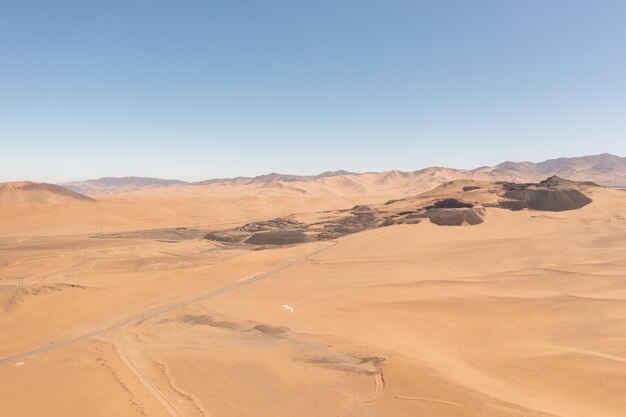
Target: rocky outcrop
[278, 237]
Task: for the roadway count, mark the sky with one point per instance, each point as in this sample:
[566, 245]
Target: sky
[202, 89]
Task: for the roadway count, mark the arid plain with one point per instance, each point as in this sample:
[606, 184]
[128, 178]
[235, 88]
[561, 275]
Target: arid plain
[109, 308]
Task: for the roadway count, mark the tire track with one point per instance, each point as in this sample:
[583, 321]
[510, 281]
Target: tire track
[379, 387]
[150, 387]
[428, 400]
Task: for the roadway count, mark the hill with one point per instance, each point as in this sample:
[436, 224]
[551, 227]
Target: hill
[26, 192]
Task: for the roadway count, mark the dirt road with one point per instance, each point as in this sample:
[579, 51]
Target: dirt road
[155, 312]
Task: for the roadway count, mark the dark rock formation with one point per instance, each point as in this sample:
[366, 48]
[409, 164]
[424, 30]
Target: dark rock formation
[228, 236]
[545, 199]
[278, 237]
[470, 188]
[551, 194]
[274, 224]
[449, 203]
[453, 217]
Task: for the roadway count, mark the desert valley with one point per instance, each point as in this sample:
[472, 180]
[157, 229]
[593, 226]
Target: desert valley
[494, 292]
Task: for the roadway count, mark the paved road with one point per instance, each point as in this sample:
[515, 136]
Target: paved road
[155, 312]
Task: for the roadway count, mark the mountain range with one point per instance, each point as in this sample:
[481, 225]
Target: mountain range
[604, 169]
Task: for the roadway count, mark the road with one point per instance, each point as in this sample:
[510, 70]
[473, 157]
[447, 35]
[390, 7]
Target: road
[160, 310]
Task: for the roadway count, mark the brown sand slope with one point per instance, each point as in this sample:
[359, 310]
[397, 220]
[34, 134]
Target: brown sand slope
[27, 192]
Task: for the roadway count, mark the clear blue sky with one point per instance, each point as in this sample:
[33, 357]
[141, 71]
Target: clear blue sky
[202, 89]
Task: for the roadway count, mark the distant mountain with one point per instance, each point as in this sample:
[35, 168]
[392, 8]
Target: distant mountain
[604, 169]
[27, 192]
[261, 179]
[112, 185]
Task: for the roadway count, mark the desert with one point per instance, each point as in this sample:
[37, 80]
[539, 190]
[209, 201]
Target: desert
[472, 298]
[313, 208]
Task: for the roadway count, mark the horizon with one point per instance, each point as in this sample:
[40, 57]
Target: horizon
[340, 171]
[219, 90]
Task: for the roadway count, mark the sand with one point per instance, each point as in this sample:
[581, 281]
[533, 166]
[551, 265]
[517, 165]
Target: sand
[28, 193]
[523, 314]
